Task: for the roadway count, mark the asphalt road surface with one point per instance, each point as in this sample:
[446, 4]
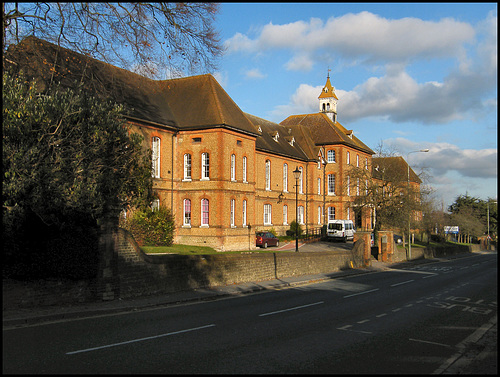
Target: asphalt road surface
[420, 319]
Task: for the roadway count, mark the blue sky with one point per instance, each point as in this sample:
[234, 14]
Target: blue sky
[408, 76]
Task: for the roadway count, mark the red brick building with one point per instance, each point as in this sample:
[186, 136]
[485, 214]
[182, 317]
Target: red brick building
[224, 173]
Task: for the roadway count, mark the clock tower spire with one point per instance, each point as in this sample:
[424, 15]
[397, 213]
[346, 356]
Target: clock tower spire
[328, 100]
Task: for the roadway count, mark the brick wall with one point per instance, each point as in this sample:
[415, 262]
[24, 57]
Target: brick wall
[141, 274]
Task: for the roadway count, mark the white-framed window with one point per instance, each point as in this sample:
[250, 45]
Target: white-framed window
[348, 158]
[319, 186]
[366, 187]
[357, 160]
[348, 186]
[331, 213]
[205, 166]
[268, 175]
[330, 156]
[205, 211]
[301, 182]
[245, 170]
[366, 163]
[357, 186]
[155, 149]
[187, 167]
[267, 214]
[233, 167]
[320, 214]
[348, 213]
[244, 213]
[331, 184]
[233, 205]
[187, 212]
[285, 215]
[285, 177]
[300, 214]
[155, 206]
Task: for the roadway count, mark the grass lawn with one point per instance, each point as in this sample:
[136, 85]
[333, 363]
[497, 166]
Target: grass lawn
[200, 250]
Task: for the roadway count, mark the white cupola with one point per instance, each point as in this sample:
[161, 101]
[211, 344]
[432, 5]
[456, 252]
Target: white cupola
[328, 100]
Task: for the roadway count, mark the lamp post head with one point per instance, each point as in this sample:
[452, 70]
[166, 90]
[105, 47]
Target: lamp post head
[424, 150]
[296, 173]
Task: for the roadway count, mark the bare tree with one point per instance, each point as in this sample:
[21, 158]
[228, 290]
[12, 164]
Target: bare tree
[158, 40]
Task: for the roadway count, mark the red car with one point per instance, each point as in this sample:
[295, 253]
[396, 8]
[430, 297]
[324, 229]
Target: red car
[265, 239]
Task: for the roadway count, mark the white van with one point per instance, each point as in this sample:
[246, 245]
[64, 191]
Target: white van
[340, 230]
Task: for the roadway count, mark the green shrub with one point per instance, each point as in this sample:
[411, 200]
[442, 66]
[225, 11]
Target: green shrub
[295, 229]
[152, 228]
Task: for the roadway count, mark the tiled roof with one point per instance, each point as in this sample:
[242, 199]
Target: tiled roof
[397, 165]
[142, 97]
[324, 132]
[187, 103]
[200, 102]
[281, 145]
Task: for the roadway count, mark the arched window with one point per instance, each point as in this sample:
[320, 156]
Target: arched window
[285, 215]
[155, 148]
[187, 212]
[245, 170]
[233, 205]
[233, 167]
[205, 166]
[204, 212]
[268, 175]
[331, 184]
[187, 166]
[301, 181]
[285, 177]
[244, 213]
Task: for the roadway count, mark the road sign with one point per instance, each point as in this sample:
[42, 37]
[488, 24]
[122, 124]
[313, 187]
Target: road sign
[451, 230]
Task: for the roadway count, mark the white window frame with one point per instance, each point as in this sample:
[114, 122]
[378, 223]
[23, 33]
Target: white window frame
[301, 181]
[285, 177]
[155, 206]
[268, 211]
[285, 215]
[233, 208]
[300, 214]
[205, 166]
[319, 186]
[187, 167]
[348, 158]
[331, 184]
[186, 215]
[155, 150]
[205, 213]
[331, 156]
[245, 170]
[331, 213]
[233, 167]
[268, 175]
[244, 213]
[348, 186]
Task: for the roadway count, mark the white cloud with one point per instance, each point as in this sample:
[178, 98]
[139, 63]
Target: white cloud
[362, 35]
[254, 74]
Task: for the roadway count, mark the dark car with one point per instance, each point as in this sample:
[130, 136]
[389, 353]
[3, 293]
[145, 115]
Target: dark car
[265, 239]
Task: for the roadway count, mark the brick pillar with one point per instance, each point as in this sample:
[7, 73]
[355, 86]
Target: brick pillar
[108, 278]
[385, 245]
[365, 238]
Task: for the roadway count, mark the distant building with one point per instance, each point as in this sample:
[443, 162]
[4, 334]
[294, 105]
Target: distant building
[224, 173]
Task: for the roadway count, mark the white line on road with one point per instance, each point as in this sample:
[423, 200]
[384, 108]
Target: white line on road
[430, 276]
[346, 328]
[361, 293]
[404, 282]
[381, 315]
[138, 340]
[294, 308]
[426, 341]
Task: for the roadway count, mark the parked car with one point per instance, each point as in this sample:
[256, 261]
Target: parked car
[265, 239]
[398, 239]
[340, 229]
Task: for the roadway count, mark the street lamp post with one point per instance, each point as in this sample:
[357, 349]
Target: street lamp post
[296, 175]
[488, 221]
[409, 214]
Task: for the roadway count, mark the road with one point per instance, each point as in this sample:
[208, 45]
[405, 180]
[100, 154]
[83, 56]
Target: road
[416, 319]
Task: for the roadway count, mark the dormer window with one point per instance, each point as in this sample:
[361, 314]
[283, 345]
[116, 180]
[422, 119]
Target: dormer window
[276, 136]
[292, 141]
[326, 90]
[260, 129]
